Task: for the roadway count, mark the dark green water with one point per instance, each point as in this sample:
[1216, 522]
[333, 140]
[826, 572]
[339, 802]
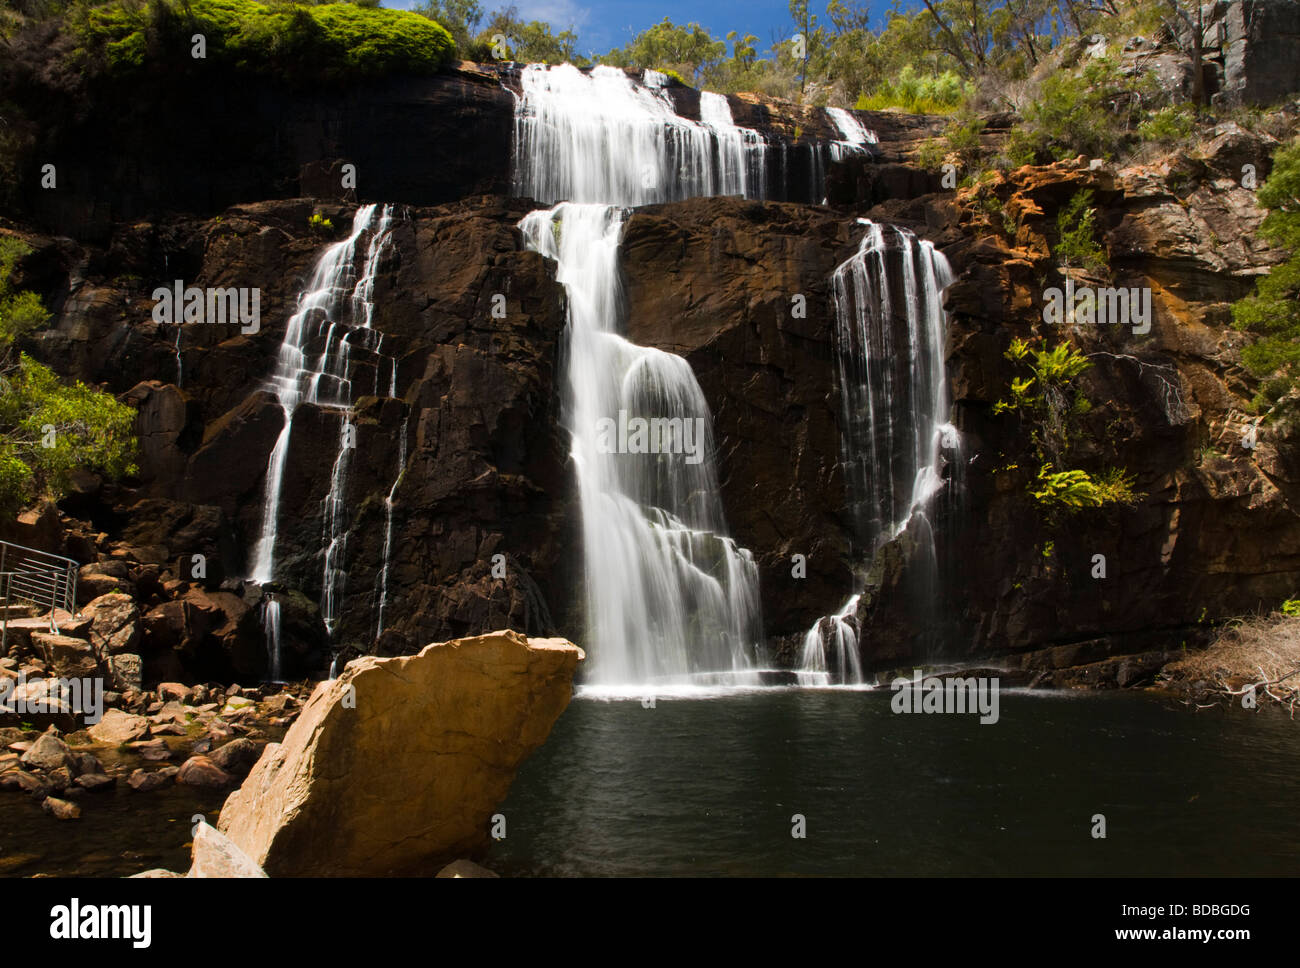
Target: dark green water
[708, 787]
[120, 832]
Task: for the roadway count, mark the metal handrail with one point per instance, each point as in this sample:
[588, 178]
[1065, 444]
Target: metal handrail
[38, 577]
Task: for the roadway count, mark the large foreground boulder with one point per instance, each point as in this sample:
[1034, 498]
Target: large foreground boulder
[397, 765]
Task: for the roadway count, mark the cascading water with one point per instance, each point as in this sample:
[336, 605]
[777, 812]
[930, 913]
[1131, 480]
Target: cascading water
[890, 341]
[742, 153]
[382, 593]
[854, 136]
[669, 595]
[600, 137]
[334, 311]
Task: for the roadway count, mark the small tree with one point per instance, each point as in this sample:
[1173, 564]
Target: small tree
[47, 428]
[1273, 312]
[460, 17]
[1076, 230]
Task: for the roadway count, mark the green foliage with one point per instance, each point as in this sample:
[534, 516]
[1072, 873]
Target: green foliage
[1094, 112]
[932, 154]
[459, 17]
[918, 93]
[685, 52]
[20, 312]
[1077, 489]
[1046, 398]
[1076, 230]
[319, 223]
[530, 42]
[1171, 125]
[48, 429]
[1272, 313]
[334, 40]
[1291, 606]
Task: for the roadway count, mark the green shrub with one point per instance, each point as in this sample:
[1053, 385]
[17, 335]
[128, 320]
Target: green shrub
[918, 94]
[932, 154]
[963, 134]
[1078, 489]
[1169, 126]
[333, 40]
[1076, 230]
[49, 429]
[1047, 400]
[1272, 313]
[1093, 112]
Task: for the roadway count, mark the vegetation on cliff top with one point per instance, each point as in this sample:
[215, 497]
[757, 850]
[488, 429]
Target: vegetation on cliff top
[48, 429]
[291, 40]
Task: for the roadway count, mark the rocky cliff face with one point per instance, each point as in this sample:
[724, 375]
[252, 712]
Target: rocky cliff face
[485, 471]
[478, 398]
[1216, 533]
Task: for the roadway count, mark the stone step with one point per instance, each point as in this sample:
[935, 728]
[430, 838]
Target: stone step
[18, 611]
[65, 655]
[18, 631]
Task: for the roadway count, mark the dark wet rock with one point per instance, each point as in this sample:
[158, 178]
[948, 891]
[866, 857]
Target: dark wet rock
[201, 771]
[155, 750]
[61, 809]
[93, 782]
[144, 781]
[237, 756]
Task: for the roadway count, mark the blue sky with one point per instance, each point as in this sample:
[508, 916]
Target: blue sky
[601, 26]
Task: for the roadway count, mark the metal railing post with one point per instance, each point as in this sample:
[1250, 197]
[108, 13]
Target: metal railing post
[23, 570]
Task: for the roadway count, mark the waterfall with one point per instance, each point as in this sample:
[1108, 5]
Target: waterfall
[670, 596]
[890, 338]
[817, 174]
[180, 370]
[601, 137]
[388, 527]
[334, 530]
[334, 312]
[742, 153]
[853, 135]
[271, 623]
[841, 645]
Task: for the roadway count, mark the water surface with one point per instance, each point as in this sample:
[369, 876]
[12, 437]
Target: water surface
[709, 787]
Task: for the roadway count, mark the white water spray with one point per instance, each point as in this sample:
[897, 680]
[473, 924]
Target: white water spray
[337, 307]
[890, 334]
[669, 595]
